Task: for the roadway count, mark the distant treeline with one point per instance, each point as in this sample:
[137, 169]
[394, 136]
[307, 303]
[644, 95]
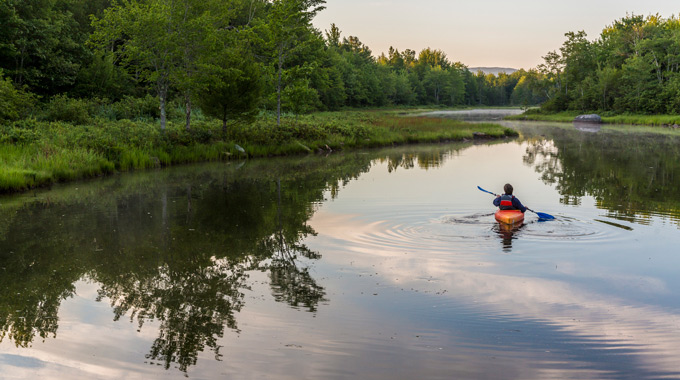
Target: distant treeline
[633, 67]
[73, 60]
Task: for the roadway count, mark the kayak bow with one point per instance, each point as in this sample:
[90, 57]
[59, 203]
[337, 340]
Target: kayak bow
[509, 216]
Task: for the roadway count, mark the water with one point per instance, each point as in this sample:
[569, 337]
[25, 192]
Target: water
[373, 265]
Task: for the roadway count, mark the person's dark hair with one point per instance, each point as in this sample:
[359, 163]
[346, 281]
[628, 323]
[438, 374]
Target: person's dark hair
[508, 189]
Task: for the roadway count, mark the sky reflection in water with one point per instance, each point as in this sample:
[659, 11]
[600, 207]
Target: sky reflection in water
[398, 269]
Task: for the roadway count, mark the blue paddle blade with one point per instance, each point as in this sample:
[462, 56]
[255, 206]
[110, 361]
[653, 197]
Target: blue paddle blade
[542, 215]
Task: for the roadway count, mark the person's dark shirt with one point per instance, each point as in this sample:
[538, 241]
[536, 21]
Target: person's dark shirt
[515, 203]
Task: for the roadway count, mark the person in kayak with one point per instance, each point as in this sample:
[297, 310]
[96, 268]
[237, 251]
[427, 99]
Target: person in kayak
[508, 201]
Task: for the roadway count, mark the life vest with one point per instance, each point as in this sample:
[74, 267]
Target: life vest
[506, 202]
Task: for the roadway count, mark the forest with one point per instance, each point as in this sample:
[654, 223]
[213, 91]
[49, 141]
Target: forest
[75, 60]
[633, 67]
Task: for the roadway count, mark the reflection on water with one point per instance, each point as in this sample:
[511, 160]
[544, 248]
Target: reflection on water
[507, 234]
[379, 264]
[632, 175]
[176, 249]
[588, 127]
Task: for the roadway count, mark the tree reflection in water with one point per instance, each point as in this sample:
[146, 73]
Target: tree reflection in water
[174, 246]
[631, 174]
[177, 249]
[507, 234]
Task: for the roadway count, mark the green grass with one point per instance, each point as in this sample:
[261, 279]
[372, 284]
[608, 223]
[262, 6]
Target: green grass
[27, 166]
[34, 153]
[607, 118]
[654, 120]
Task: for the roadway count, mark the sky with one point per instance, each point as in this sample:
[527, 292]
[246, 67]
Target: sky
[490, 33]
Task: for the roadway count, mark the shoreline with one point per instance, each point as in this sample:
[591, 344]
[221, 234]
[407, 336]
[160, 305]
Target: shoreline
[39, 154]
[668, 121]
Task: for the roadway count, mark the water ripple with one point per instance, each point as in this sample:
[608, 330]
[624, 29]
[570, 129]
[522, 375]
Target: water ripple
[420, 230]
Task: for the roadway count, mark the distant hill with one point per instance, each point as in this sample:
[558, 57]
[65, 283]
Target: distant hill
[492, 70]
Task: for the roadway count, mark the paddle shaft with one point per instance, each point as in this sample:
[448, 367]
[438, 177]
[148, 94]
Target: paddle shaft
[487, 191]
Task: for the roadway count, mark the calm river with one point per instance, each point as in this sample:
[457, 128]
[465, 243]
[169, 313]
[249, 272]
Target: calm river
[380, 264]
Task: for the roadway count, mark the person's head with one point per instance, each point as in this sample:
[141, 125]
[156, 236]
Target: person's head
[508, 189]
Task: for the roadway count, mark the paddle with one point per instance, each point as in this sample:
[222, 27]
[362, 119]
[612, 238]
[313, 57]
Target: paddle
[541, 215]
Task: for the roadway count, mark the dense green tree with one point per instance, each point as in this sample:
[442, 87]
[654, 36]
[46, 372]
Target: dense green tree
[289, 30]
[528, 90]
[234, 89]
[404, 93]
[41, 45]
[606, 79]
[455, 86]
[138, 33]
[630, 68]
[187, 48]
[102, 77]
[433, 58]
[166, 44]
[333, 36]
[552, 71]
[194, 28]
[577, 57]
[327, 79]
[435, 79]
[359, 74]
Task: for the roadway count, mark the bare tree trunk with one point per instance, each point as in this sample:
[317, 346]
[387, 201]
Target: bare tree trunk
[224, 120]
[20, 67]
[162, 94]
[657, 69]
[278, 89]
[187, 100]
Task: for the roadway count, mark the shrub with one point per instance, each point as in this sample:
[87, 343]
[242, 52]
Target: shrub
[178, 136]
[202, 133]
[14, 135]
[14, 103]
[133, 108]
[63, 108]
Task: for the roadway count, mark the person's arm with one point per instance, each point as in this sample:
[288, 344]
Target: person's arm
[497, 201]
[518, 205]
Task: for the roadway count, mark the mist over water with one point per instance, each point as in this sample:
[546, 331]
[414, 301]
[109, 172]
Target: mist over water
[376, 264]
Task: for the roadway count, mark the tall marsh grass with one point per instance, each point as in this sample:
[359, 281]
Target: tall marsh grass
[37, 153]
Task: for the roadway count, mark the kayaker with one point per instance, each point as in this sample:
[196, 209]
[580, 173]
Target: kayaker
[508, 201]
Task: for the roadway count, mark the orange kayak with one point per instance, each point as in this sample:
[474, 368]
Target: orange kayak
[509, 216]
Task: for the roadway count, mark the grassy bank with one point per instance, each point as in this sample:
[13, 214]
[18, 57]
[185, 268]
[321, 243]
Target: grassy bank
[34, 153]
[568, 117]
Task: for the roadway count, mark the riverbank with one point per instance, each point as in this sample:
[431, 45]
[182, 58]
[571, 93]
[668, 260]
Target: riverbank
[35, 153]
[568, 117]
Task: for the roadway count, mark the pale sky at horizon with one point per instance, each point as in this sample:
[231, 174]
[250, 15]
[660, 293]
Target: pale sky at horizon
[492, 33]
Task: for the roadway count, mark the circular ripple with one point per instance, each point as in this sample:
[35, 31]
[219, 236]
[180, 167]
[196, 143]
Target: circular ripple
[424, 230]
[572, 229]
